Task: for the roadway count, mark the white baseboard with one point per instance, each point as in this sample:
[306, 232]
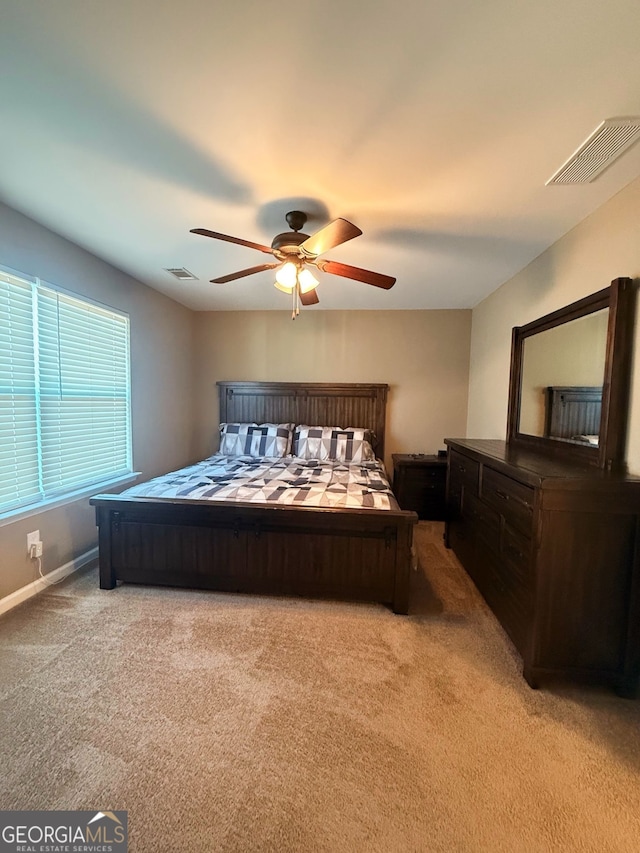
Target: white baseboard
[15, 598]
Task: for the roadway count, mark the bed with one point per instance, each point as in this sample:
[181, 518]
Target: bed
[345, 552]
[572, 413]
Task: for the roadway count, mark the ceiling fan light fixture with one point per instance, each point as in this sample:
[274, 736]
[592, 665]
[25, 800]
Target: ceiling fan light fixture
[289, 274]
[286, 277]
[307, 281]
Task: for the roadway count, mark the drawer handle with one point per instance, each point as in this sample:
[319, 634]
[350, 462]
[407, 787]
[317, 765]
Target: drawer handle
[503, 495]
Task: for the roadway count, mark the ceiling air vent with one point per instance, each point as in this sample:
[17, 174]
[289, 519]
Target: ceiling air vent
[182, 274]
[607, 142]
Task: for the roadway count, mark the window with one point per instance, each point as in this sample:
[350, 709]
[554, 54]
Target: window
[64, 393]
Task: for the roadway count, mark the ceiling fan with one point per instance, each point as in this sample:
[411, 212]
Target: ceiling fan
[295, 252]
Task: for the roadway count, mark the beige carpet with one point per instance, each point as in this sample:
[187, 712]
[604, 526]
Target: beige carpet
[234, 723]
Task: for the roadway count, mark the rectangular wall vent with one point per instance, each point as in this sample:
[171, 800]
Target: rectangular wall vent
[182, 274]
[607, 142]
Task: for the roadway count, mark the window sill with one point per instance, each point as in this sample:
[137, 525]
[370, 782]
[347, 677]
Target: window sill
[70, 497]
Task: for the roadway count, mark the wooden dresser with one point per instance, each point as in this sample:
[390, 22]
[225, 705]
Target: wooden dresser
[554, 548]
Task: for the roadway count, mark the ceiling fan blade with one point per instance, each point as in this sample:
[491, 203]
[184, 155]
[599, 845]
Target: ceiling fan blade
[232, 276]
[332, 235]
[206, 233]
[310, 297]
[377, 279]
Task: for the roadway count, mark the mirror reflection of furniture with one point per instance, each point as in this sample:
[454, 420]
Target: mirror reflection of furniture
[570, 373]
[572, 413]
[569, 357]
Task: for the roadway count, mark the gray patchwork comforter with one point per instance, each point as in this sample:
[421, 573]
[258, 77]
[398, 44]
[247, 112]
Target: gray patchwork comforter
[304, 482]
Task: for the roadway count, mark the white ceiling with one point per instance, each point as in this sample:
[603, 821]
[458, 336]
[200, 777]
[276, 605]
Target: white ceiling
[432, 126]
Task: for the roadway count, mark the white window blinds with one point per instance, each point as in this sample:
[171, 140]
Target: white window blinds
[19, 463]
[66, 362]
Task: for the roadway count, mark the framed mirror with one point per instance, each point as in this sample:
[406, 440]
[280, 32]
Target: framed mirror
[569, 382]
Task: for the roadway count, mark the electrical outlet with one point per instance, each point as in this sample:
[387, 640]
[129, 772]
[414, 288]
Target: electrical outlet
[35, 550]
[32, 539]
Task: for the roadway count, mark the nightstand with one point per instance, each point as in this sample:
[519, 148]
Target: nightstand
[419, 483]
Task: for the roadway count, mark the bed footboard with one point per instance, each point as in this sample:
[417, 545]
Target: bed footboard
[329, 553]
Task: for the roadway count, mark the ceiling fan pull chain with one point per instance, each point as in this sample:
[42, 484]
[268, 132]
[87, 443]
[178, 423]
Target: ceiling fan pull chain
[293, 308]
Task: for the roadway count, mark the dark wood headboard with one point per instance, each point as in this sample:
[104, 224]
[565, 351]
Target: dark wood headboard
[572, 410]
[315, 403]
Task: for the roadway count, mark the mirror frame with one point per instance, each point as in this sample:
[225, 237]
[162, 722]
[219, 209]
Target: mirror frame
[610, 453]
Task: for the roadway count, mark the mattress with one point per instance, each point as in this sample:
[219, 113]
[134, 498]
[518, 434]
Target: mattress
[286, 481]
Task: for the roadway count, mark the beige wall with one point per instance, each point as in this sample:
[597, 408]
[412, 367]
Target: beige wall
[422, 355]
[604, 246]
[162, 372]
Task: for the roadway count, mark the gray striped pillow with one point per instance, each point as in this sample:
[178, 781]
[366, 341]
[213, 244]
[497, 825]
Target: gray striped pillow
[333, 443]
[270, 440]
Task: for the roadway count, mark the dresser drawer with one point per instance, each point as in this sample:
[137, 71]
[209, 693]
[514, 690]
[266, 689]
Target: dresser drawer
[463, 471]
[484, 522]
[513, 500]
[516, 555]
[454, 492]
[514, 608]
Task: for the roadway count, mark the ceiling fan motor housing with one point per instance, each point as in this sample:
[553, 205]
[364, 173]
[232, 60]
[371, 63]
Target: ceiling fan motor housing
[287, 243]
